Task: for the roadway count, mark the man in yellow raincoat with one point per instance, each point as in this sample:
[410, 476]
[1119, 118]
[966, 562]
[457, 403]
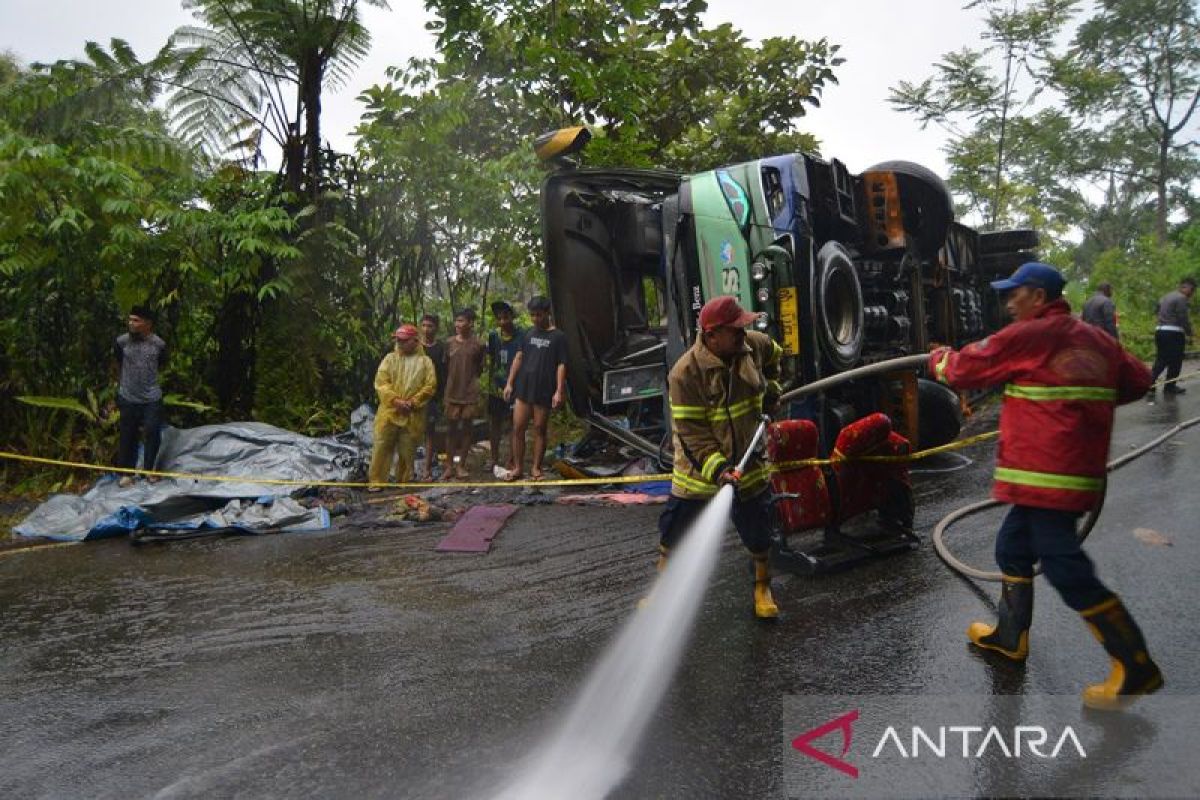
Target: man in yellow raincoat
[405, 382]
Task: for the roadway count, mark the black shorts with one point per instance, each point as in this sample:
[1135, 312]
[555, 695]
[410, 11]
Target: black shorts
[498, 408]
[526, 388]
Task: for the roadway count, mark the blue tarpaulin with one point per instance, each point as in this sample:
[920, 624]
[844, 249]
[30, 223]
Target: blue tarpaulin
[233, 450]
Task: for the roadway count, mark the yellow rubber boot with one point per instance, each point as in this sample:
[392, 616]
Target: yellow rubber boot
[659, 566]
[764, 603]
[1010, 635]
[1133, 673]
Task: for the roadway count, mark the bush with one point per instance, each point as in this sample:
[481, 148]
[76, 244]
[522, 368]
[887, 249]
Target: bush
[1142, 275]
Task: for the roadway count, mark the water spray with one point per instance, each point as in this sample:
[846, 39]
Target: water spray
[590, 752]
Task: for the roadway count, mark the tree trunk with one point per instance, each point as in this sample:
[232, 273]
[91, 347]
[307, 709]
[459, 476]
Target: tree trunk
[1160, 186]
[997, 199]
[311, 76]
[233, 378]
[293, 164]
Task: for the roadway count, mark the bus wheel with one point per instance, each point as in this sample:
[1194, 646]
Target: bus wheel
[839, 307]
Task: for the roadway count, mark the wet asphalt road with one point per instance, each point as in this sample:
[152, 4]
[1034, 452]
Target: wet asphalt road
[360, 663]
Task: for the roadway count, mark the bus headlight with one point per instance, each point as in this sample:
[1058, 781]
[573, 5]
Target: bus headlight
[760, 271]
[763, 295]
[761, 323]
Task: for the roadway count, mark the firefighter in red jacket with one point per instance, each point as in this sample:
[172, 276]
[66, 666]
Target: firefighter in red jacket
[1062, 380]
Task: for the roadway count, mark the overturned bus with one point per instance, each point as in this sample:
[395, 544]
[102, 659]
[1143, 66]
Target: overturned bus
[844, 269]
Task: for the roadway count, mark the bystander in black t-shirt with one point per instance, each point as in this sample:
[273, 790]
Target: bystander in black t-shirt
[437, 354]
[541, 353]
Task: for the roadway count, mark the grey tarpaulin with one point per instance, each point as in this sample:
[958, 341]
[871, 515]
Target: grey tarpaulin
[237, 449]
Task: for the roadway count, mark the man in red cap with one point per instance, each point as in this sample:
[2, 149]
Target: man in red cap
[717, 393]
[405, 382]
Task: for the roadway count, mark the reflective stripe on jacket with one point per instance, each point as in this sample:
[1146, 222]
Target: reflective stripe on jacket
[715, 408]
[1062, 379]
[408, 377]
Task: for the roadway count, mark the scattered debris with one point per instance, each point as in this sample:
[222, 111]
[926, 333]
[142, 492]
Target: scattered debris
[475, 531]
[612, 499]
[1153, 537]
[417, 509]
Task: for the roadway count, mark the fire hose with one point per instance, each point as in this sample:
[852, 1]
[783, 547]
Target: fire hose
[891, 365]
[939, 531]
[1089, 521]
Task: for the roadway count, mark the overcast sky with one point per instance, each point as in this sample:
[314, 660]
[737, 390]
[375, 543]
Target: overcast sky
[883, 41]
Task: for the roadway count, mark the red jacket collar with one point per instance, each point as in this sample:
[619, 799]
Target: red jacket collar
[1054, 308]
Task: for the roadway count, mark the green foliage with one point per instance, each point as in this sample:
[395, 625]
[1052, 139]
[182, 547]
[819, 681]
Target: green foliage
[77, 429]
[178, 401]
[446, 198]
[1134, 69]
[719, 100]
[258, 67]
[662, 90]
[218, 100]
[72, 231]
[1010, 164]
[1086, 141]
[10, 69]
[105, 212]
[88, 412]
[1140, 276]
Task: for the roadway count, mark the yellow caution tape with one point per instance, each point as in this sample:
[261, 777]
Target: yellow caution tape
[343, 484]
[34, 545]
[1177, 379]
[785, 465]
[838, 459]
[778, 467]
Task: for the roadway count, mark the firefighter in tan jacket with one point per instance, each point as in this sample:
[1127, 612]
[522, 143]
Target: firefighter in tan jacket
[717, 391]
[405, 382]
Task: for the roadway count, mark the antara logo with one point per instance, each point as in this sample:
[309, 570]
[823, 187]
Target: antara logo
[1021, 741]
[1034, 738]
[843, 723]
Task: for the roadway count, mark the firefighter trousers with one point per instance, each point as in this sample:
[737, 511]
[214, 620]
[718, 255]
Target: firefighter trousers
[1030, 534]
[751, 517]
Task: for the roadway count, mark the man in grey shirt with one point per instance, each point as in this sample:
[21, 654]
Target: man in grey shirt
[1099, 310]
[1173, 330]
[140, 354]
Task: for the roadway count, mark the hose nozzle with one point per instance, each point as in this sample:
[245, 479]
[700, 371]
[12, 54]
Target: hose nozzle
[754, 440]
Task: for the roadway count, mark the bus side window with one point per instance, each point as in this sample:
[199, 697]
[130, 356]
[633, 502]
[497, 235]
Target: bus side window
[773, 189]
[654, 294]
